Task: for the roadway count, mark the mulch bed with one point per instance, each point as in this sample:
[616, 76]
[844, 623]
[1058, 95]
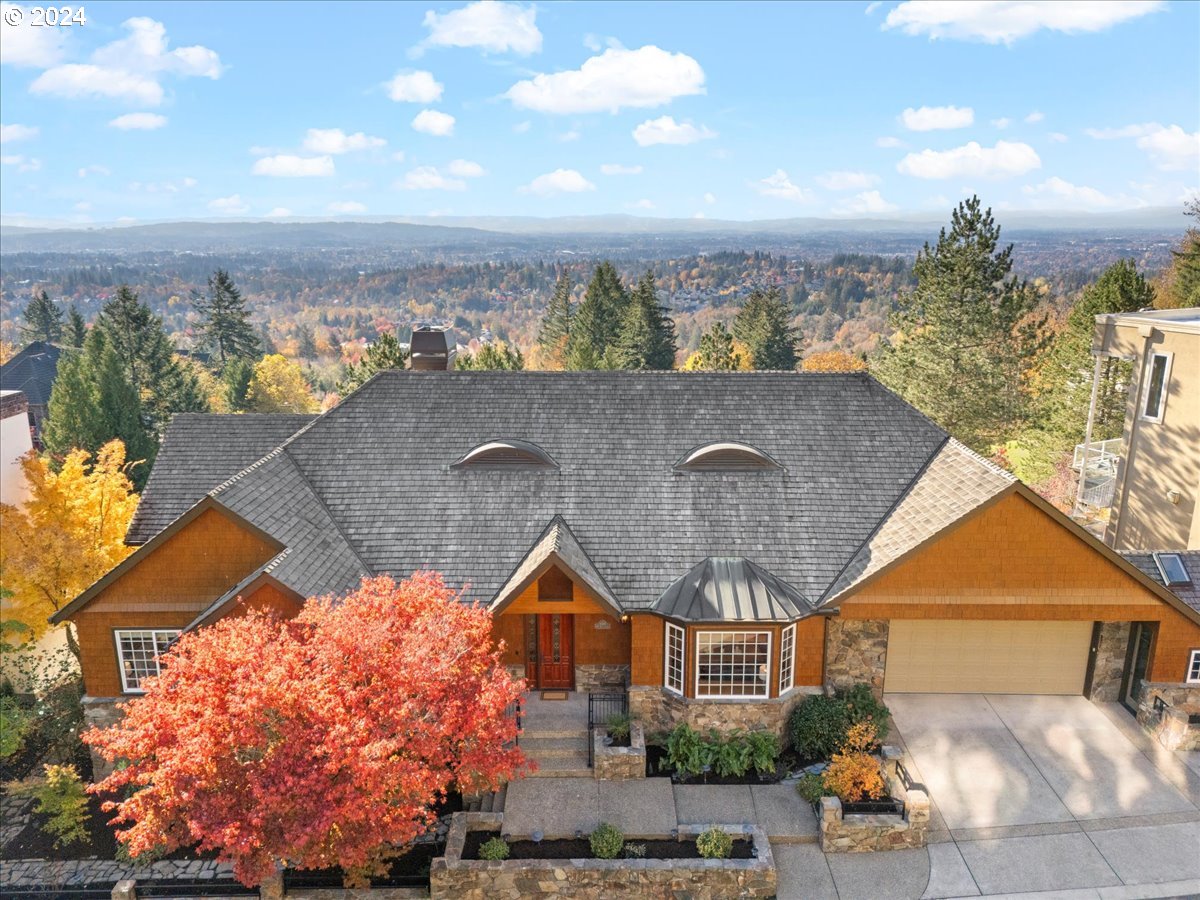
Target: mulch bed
[409, 870]
[582, 849]
[657, 766]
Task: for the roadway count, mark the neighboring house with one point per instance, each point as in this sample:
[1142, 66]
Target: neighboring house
[721, 543]
[1142, 491]
[32, 372]
[15, 441]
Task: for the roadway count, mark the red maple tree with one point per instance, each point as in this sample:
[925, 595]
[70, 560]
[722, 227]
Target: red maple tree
[316, 742]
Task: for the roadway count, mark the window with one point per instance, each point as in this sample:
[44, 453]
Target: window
[506, 455]
[1156, 387]
[732, 663]
[726, 456]
[138, 653]
[787, 658]
[1193, 672]
[673, 659]
[1174, 572]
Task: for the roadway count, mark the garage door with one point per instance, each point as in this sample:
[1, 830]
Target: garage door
[956, 656]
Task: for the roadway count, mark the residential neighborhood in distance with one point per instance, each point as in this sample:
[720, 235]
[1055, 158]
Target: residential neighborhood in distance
[503, 450]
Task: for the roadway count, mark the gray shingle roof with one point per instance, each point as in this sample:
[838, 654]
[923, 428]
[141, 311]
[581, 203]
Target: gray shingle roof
[33, 371]
[198, 453]
[731, 589]
[1188, 593]
[559, 544]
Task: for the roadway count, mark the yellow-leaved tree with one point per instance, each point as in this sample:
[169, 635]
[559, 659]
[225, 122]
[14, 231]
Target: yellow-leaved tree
[833, 361]
[68, 533]
[278, 386]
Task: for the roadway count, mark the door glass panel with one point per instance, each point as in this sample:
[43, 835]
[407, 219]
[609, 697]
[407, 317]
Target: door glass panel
[556, 638]
[1143, 636]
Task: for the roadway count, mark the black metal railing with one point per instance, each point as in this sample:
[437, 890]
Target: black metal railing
[601, 708]
[514, 709]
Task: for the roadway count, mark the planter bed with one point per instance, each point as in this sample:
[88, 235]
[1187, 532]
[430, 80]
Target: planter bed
[684, 848]
[408, 870]
[887, 806]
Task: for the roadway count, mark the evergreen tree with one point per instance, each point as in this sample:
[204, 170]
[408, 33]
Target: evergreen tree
[597, 320]
[43, 319]
[385, 353]
[236, 377]
[497, 355]
[75, 332]
[226, 324]
[647, 336]
[306, 343]
[716, 352]
[555, 330]
[965, 338]
[1183, 278]
[264, 337]
[137, 336]
[764, 325]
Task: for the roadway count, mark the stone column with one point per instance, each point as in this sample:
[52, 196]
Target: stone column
[855, 653]
[1109, 669]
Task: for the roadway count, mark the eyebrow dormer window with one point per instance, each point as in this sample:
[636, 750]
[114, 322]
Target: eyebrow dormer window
[726, 456]
[507, 455]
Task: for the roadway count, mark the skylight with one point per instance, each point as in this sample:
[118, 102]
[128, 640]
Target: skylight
[507, 454]
[725, 456]
[1174, 572]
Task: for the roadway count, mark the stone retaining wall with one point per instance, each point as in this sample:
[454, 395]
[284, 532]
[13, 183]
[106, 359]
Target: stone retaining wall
[855, 653]
[1108, 673]
[660, 710]
[857, 833]
[620, 763]
[598, 677]
[696, 879]
[1170, 725]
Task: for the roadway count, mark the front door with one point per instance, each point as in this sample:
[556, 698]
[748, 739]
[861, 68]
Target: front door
[550, 660]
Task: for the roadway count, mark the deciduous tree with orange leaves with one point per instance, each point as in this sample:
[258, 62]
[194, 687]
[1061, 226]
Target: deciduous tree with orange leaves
[320, 741]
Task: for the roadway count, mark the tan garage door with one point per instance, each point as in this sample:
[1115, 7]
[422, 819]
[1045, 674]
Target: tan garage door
[957, 656]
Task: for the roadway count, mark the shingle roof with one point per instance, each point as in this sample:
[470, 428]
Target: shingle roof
[731, 589]
[198, 453]
[1188, 593]
[32, 371]
[558, 544]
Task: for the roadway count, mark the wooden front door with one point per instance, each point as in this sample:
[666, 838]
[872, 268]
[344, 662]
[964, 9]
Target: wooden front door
[550, 660]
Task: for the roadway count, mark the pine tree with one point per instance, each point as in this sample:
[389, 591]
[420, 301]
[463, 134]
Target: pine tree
[137, 335]
[385, 353]
[716, 352]
[226, 324]
[647, 336]
[306, 343]
[497, 355]
[597, 320]
[236, 377]
[43, 319]
[764, 325]
[965, 338]
[75, 332]
[555, 330]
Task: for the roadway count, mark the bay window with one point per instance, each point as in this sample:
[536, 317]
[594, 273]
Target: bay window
[673, 659]
[733, 664]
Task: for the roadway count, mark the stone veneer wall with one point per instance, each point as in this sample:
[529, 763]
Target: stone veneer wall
[1170, 727]
[620, 763]
[1109, 669]
[857, 833]
[598, 676]
[660, 710]
[100, 712]
[697, 879]
[855, 653]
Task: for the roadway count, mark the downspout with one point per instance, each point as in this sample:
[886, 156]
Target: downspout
[1146, 333]
[1087, 436]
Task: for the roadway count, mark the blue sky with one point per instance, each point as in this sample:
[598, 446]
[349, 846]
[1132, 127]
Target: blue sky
[739, 111]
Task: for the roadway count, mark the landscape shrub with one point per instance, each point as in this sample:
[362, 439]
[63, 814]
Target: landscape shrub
[62, 799]
[863, 706]
[15, 723]
[619, 726]
[764, 751]
[687, 751]
[494, 849]
[731, 754]
[811, 788]
[714, 844]
[854, 774]
[607, 841]
[819, 725]
[635, 851]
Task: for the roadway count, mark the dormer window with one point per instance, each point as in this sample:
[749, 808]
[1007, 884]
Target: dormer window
[726, 456]
[507, 454]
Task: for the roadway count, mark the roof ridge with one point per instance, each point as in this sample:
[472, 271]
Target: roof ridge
[979, 457]
[238, 476]
[324, 506]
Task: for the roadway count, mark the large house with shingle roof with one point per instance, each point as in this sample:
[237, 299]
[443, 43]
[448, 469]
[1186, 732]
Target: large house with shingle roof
[720, 544]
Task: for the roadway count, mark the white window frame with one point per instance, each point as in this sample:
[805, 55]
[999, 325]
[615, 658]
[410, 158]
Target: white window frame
[1162, 395]
[674, 684]
[766, 682]
[1193, 669]
[120, 633]
[787, 658]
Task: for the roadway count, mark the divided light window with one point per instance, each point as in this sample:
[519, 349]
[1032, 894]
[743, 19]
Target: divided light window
[733, 664]
[138, 653]
[1156, 387]
[1193, 672]
[673, 659]
[787, 658]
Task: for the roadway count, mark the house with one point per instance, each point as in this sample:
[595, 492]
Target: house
[720, 544]
[15, 441]
[1142, 491]
[32, 372]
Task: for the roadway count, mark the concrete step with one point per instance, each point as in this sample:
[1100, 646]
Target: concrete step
[562, 767]
[552, 731]
[541, 747]
[500, 796]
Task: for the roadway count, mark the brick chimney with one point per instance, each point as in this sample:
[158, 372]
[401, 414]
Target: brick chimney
[432, 349]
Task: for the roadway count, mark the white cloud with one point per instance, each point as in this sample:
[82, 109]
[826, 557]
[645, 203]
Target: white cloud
[188, 182]
[83, 206]
[11, 133]
[642, 204]
[464, 168]
[30, 46]
[335, 141]
[23, 164]
[431, 121]
[568, 136]
[428, 178]
[131, 68]
[1172, 148]
[889, 143]
[972, 160]
[414, 87]
[1005, 21]
[937, 118]
[492, 26]
[1058, 137]
[288, 166]
[846, 181]
[872, 6]
[617, 78]
[92, 170]
[868, 203]
[1002, 123]
[1125, 131]
[560, 181]
[398, 156]
[521, 127]
[1034, 117]
[230, 206]
[279, 212]
[346, 207]
[780, 185]
[1055, 192]
[159, 187]
[665, 130]
[138, 122]
[618, 169]
[710, 198]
